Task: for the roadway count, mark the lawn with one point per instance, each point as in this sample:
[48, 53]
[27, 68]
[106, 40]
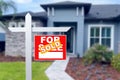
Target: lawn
[16, 70]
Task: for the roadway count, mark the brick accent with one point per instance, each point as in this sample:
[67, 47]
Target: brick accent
[15, 43]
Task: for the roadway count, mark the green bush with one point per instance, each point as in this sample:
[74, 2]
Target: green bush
[98, 53]
[116, 62]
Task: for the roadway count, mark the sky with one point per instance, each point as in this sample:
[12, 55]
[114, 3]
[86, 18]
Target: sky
[34, 5]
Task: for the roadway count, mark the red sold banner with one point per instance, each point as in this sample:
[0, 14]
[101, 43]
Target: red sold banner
[50, 47]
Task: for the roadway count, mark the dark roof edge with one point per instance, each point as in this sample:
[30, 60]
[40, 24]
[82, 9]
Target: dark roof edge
[66, 4]
[40, 15]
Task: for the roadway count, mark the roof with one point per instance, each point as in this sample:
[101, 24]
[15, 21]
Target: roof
[104, 12]
[68, 4]
[40, 15]
[107, 11]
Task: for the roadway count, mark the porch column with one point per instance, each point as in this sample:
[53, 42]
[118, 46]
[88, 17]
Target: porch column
[74, 38]
[50, 23]
[80, 37]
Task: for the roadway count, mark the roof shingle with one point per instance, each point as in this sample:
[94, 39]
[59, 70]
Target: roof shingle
[103, 12]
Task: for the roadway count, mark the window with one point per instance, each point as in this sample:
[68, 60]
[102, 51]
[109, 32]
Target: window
[56, 33]
[106, 36]
[12, 24]
[21, 24]
[33, 24]
[94, 35]
[102, 34]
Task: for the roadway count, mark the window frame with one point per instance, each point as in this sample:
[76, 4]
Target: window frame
[12, 23]
[23, 23]
[100, 36]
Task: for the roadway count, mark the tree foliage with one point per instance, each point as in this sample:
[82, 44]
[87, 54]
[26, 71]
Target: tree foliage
[7, 5]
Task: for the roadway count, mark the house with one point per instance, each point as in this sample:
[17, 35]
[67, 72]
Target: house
[2, 37]
[89, 24]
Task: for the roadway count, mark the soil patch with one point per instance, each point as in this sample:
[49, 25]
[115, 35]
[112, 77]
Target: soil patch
[10, 58]
[4, 58]
[79, 71]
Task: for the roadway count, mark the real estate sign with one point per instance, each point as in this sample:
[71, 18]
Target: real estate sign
[50, 47]
[39, 45]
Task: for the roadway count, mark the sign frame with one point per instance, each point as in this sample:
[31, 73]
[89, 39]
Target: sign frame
[28, 36]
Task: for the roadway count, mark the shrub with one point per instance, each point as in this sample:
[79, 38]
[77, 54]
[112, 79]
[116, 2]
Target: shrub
[116, 62]
[98, 53]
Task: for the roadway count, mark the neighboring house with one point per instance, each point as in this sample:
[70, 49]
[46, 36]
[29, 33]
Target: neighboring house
[2, 38]
[89, 24]
[15, 42]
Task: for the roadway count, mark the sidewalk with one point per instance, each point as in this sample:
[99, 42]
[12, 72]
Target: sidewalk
[57, 70]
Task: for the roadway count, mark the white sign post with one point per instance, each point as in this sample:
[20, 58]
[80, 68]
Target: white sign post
[28, 46]
[28, 40]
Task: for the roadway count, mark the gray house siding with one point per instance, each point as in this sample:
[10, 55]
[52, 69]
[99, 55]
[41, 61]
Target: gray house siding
[116, 33]
[117, 37]
[69, 15]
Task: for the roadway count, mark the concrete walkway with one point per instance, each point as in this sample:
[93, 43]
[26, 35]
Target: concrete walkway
[57, 70]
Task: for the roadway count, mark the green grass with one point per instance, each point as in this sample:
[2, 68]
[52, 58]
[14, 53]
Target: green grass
[16, 70]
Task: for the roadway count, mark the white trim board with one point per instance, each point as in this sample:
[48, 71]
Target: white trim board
[41, 29]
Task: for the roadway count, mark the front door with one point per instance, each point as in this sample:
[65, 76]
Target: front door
[70, 34]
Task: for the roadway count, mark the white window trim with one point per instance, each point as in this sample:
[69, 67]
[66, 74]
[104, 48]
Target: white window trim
[102, 25]
[21, 23]
[53, 11]
[82, 11]
[48, 11]
[12, 23]
[77, 11]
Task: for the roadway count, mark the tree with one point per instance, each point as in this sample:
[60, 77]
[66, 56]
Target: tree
[6, 5]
